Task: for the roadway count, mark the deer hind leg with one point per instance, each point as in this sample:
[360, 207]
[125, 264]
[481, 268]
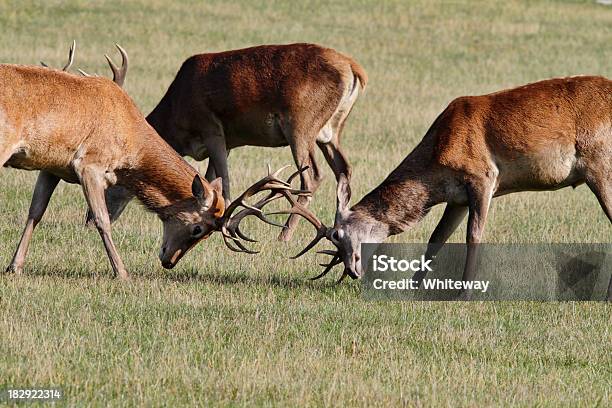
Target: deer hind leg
[329, 137]
[45, 185]
[335, 158]
[310, 179]
[94, 183]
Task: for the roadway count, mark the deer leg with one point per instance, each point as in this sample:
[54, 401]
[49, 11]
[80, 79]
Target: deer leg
[333, 153]
[217, 151]
[317, 176]
[116, 198]
[310, 180]
[479, 199]
[210, 171]
[452, 217]
[93, 184]
[336, 158]
[603, 192]
[45, 185]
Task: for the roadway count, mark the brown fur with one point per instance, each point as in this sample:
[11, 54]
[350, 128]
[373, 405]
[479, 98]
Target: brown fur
[88, 131]
[551, 129]
[542, 136]
[272, 95]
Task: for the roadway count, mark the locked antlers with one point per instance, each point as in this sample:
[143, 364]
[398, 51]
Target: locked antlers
[229, 223]
[323, 231]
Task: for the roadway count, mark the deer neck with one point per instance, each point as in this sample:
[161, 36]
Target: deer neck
[159, 178]
[402, 200]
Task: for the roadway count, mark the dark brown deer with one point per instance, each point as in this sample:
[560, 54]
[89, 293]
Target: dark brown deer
[88, 131]
[542, 136]
[275, 95]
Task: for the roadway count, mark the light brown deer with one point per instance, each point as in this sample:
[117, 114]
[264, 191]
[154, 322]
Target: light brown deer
[274, 95]
[542, 136]
[88, 131]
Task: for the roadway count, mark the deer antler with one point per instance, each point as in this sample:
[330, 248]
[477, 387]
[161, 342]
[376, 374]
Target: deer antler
[70, 58]
[229, 224]
[322, 232]
[119, 73]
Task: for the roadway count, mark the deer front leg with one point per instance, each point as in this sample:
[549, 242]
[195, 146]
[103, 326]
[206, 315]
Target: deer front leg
[94, 183]
[117, 198]
[210, 172]
[45, 185]
[479, 199]
[452, 217]
[217, 151]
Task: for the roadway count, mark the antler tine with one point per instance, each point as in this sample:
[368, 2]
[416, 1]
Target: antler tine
[241, 248]
[320, 235]
[344, 275]
[85, 74]
[297, 208]
[230, 223]
[119, 74]
[328, 267]
[70, 56]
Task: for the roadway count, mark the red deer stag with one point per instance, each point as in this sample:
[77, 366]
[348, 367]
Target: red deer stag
[542, 136]
[88, 131]
[275, 95]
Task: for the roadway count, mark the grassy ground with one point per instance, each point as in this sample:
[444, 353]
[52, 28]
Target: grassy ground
[239, 330]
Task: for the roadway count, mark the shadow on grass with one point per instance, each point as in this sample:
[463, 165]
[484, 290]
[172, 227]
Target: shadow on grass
[285, 282]
[191, 276]
[59, 273]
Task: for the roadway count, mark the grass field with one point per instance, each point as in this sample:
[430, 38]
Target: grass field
[232, 329]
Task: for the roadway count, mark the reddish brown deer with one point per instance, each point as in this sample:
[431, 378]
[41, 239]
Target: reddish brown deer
[88, 131]
[275, 95]
[542, 136]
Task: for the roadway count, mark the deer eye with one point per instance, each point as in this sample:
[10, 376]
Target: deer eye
[335, 236]
[197, 230]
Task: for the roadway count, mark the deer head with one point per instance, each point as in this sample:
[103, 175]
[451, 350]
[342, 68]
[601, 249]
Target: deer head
[187, 222]
[192, 220]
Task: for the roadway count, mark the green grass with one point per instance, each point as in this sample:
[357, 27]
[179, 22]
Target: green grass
[231, 329]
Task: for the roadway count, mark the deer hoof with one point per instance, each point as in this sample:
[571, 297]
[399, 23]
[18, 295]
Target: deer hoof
[17, 270]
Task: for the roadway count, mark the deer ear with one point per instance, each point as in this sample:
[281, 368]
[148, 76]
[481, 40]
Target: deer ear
[343, 193]
[217, 185]
[197, 188]
[217, 206]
